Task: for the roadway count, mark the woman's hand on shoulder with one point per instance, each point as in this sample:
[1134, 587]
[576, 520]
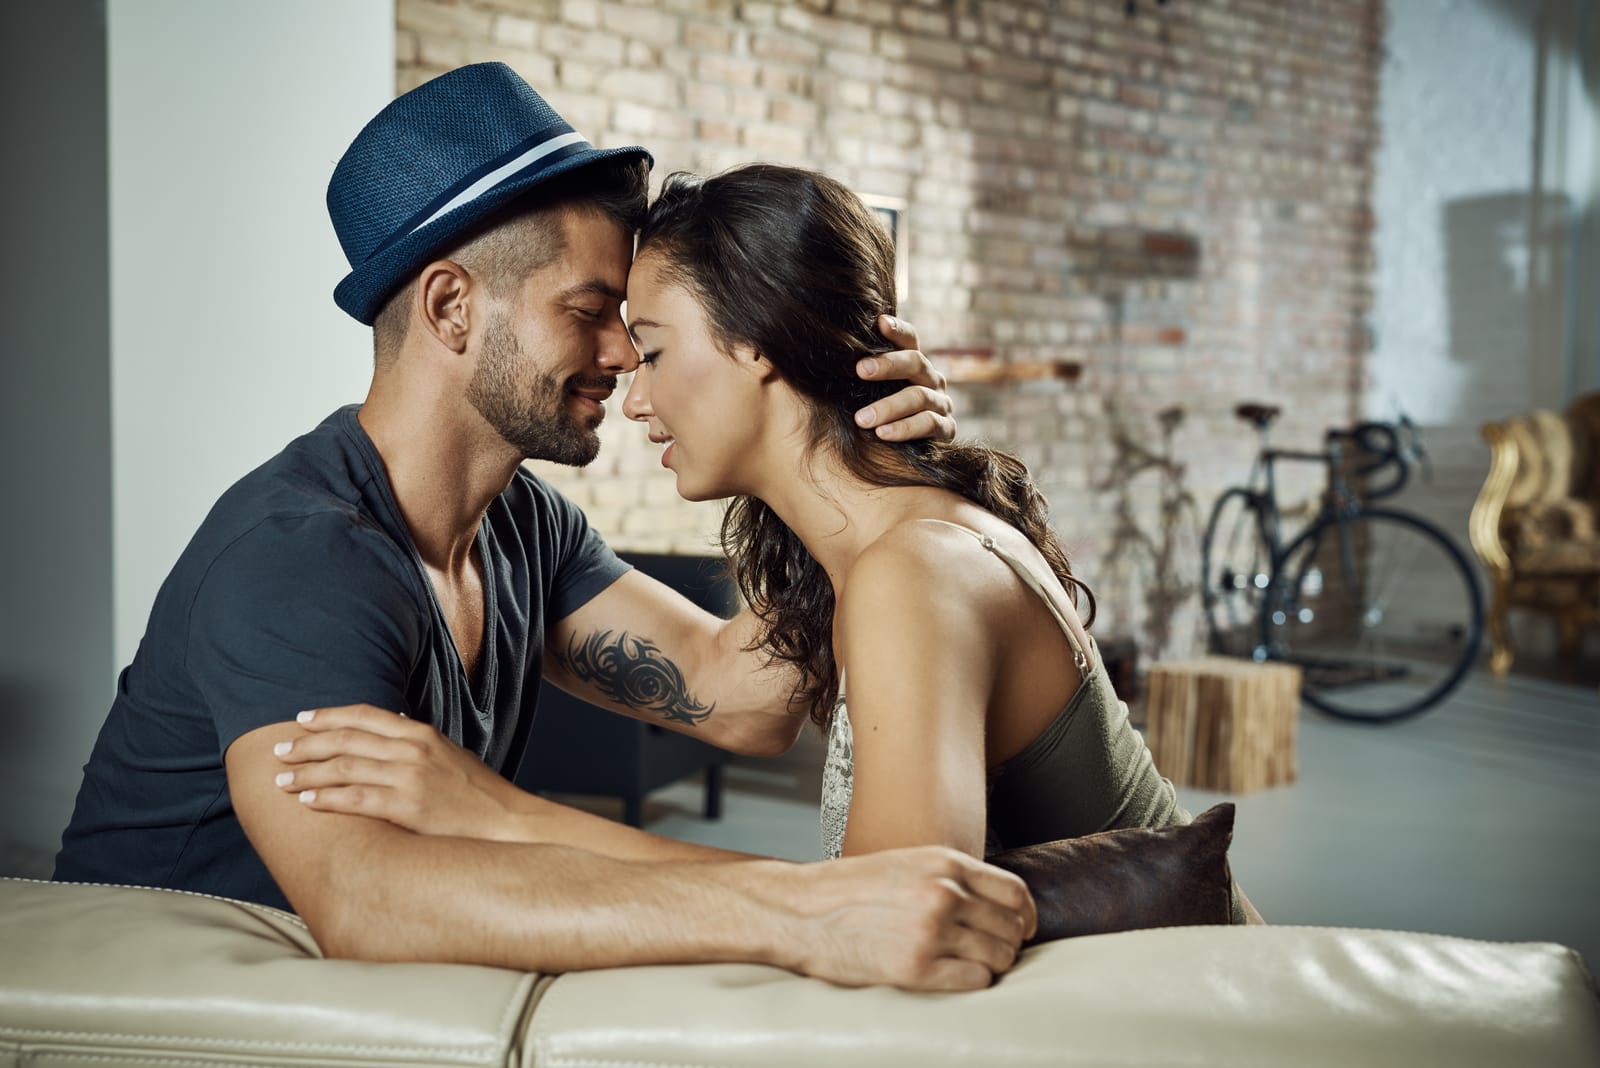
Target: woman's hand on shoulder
[368, 761]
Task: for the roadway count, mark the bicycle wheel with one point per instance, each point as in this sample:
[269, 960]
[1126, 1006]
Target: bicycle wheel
[1380, 610]
[1235, 570]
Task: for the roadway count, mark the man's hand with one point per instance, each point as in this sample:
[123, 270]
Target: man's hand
[367, 761]
[923, 409]
[927, 918]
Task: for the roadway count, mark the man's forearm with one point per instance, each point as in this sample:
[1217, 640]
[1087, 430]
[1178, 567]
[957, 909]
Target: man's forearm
[542, 907]
[923, 919]
[709, 682]
[643, 649]
[534, 820]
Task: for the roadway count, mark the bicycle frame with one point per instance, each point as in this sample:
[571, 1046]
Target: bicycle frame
[1339, 502]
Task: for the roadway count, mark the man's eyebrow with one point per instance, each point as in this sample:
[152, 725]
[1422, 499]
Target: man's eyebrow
[593, 287]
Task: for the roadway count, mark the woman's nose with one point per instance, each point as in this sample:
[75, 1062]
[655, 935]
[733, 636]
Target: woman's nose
[636, 405]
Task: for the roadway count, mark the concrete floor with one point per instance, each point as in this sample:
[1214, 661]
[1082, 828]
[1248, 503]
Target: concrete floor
[1480, 818]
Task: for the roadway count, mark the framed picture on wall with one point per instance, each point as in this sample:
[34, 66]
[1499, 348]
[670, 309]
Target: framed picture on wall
[891, 211]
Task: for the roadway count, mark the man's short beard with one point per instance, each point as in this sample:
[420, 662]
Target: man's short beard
[532, 420]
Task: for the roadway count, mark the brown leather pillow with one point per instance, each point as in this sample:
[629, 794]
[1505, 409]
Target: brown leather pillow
[1129, 879]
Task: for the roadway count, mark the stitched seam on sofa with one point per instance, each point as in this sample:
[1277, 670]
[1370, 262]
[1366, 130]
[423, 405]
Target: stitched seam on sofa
[586, 1062]
[36, 1055]
[264, 910]
[409, 1052]
[544, 1058]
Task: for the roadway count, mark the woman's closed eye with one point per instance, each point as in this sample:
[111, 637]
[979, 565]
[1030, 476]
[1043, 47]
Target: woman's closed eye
[649, 357]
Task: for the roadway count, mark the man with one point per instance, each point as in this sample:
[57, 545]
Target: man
[398, 557]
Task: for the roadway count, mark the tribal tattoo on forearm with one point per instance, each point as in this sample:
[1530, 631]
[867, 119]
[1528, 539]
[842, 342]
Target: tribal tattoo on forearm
[632, 672]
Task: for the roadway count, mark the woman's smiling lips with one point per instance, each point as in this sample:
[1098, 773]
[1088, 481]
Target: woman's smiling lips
[663, 439]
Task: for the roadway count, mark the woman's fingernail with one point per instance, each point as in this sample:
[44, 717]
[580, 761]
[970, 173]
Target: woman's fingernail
[868, 366]
[284, 778]
[307, 796]
[306, 716]
[864, 417]
[282, 748]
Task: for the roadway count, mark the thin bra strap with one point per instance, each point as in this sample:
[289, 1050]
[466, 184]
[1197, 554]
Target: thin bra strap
[1079, 656]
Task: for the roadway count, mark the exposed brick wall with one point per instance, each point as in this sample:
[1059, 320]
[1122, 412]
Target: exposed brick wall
[1180, 201]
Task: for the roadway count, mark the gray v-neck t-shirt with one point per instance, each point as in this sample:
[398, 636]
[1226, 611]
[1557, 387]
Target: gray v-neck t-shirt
[302, 589]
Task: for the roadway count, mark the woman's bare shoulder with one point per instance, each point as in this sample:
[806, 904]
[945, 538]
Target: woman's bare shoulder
[927, 573]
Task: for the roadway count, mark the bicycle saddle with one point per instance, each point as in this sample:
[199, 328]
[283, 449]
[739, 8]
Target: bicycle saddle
[1259, 416]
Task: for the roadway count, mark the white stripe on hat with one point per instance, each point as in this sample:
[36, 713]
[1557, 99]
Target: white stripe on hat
[500, 174]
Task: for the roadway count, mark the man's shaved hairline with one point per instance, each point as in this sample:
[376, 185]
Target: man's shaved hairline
[501, 256]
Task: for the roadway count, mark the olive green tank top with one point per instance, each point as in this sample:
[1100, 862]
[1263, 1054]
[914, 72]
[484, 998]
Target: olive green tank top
[1087, 771]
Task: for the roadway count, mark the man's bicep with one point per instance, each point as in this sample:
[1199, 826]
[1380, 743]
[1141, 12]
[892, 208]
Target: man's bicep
[639, 648]
[279, 626]
[299, 846]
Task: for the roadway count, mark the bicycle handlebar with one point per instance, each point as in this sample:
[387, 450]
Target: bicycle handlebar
[1389, 445]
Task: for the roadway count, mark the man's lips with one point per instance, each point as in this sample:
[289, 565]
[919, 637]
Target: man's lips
[596, 388]
[593, 396]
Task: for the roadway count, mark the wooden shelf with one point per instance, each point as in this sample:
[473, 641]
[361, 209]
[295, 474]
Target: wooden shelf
[980, 366]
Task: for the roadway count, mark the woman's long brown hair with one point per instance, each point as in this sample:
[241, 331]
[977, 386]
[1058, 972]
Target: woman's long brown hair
[791, 262]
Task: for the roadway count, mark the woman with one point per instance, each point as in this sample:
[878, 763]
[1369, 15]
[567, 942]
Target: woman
[980, 716]
[979, 713]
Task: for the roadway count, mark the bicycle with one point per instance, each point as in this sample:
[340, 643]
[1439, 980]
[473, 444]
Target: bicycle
[1341, 597]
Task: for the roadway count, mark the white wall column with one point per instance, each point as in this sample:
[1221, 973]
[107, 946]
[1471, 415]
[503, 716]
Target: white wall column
[226, 121]
[169, 320]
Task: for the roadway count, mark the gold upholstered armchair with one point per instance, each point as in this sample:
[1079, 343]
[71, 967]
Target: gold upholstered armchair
[1536, 523]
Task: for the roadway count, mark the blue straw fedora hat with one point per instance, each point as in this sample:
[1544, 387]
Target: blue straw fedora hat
[434, 164]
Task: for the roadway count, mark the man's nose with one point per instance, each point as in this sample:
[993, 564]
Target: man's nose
[636, 405]
[617, 355]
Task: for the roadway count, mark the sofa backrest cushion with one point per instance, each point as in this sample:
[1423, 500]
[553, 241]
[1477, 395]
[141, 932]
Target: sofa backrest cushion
[92, 976]
[112, 974]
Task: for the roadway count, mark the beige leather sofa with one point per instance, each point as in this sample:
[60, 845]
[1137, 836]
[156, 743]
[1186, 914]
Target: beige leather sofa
[104, 976]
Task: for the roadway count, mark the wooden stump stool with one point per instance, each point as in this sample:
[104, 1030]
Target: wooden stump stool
[1221, 723]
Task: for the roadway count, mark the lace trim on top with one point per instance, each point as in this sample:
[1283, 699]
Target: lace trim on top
[837, 773]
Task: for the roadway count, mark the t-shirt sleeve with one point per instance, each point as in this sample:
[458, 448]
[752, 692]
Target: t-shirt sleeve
[584, 565]
[304, 612]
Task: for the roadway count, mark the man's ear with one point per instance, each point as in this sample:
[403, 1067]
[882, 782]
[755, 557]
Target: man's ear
[444, 303]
